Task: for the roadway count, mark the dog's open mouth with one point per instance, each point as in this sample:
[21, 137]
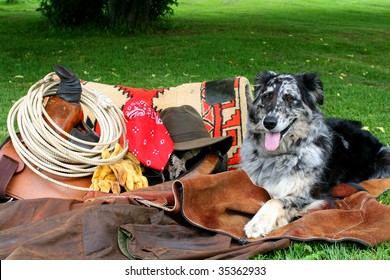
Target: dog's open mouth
[272, 139]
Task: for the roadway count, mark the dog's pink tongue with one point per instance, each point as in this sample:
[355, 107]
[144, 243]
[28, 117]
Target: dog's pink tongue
[271, 141]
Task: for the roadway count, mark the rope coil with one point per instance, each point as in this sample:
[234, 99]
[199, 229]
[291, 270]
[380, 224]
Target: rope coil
[42, 149]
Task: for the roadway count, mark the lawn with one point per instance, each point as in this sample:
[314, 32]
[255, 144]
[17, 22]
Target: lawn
[346, 42]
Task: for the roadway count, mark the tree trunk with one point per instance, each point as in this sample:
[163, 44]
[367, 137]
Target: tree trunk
[132, 14]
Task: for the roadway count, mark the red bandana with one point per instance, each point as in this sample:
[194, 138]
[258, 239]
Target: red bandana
[147, 137]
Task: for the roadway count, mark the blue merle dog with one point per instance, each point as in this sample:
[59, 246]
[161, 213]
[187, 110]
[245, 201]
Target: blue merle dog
[296, 154]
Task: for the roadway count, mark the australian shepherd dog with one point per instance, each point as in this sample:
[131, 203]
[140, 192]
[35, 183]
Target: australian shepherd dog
[296, 154]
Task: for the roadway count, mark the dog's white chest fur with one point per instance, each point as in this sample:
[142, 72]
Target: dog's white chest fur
[282, 175]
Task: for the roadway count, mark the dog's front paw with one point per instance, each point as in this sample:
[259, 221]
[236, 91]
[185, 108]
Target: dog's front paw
[255, 228]
[270, 216]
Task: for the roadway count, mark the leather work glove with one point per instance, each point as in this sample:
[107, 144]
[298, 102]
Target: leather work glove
[126, 173]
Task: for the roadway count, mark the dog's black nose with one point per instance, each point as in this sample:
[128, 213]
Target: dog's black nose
[270, 122]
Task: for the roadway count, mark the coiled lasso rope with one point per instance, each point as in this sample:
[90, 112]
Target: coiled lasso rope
[43, 149]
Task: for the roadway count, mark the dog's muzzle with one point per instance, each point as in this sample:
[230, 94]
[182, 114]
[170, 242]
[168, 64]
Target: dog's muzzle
[272, 139]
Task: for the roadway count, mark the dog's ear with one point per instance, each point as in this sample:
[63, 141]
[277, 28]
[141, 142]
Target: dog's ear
[262, 79]
[314, 90]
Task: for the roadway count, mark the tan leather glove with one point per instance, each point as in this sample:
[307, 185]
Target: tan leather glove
[126, 173]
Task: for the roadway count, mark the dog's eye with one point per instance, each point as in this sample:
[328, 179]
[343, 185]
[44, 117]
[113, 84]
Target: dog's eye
[267, 96]
[289, 98]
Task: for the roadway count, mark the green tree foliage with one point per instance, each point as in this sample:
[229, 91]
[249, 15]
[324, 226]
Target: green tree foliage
[72, 12]
[116, 14]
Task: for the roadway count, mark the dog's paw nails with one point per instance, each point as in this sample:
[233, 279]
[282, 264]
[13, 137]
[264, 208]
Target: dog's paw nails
[270, 216]
[254, 230]
[251, 230]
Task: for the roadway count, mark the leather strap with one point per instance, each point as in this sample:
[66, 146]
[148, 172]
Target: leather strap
[8, 167]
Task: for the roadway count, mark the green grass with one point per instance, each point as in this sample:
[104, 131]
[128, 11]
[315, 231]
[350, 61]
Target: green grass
[323, 251]
[346, 42]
